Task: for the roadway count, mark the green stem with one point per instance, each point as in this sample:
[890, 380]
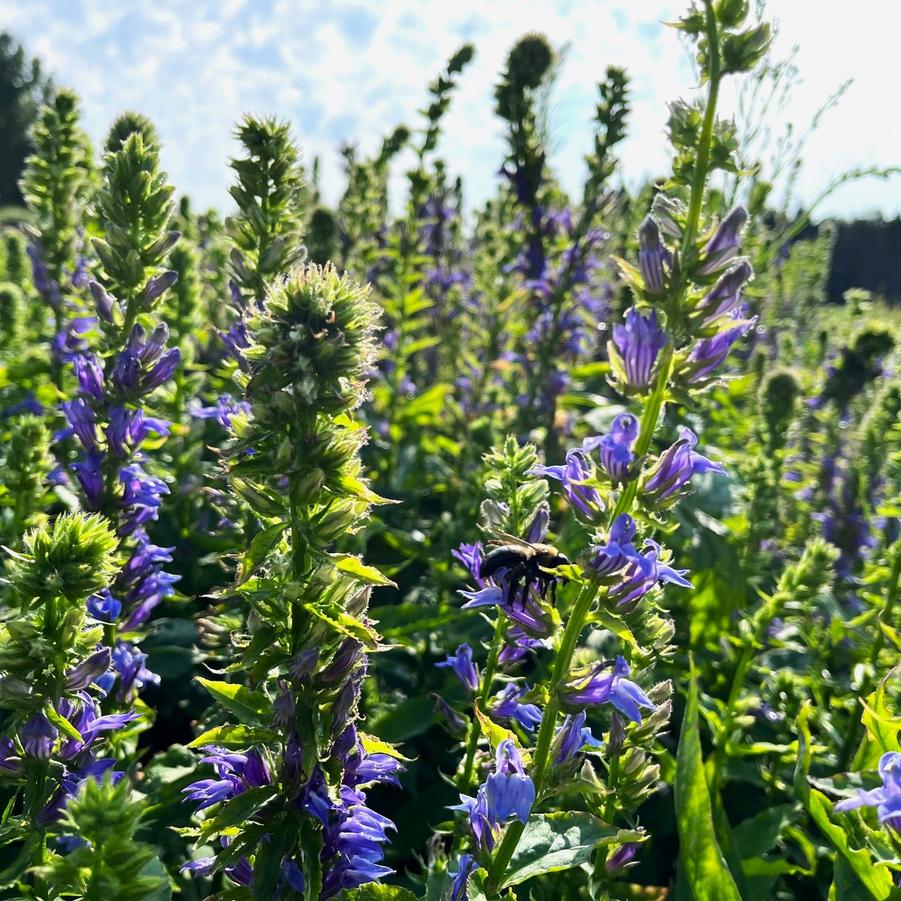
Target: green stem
[562, 664]
[475, 730]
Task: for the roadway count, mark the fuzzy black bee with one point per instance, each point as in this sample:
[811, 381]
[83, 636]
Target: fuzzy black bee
[524, 563]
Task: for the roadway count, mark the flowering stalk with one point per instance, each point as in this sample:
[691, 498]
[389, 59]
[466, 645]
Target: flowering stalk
[295, 462]
[55, 185]
[54, 672]
[114, 383]
[654, 362]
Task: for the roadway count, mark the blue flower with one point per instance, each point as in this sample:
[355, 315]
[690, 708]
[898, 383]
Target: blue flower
[603, 687]
[709, 353]
[635, 347]
[725, 243]
[653, 257]
[675, 466]
[573, 474]
[509, 792]
[506, 705]
[572, 737]
[887, 798]
[613, 556]
[616, 455]
[463, 667]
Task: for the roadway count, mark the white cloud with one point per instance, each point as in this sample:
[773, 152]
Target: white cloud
[352, 70]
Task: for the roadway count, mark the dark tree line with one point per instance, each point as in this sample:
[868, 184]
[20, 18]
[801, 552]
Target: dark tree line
[867, 254]
[23, 88]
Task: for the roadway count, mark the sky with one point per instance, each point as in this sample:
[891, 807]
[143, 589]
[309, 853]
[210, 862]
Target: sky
[350, 70]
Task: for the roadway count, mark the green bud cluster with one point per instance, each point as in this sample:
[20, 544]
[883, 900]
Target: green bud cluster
[269, 192]
[69, 559]
[25, 468]
[57, 179]
[111, 862]
[12, 317]
[135, 204]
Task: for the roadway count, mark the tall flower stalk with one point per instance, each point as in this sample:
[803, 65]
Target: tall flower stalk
[686, 317]
[109, 413]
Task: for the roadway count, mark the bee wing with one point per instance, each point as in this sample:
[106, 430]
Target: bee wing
[507, 538]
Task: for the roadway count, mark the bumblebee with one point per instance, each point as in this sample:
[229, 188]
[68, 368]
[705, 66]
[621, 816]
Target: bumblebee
[524, 563]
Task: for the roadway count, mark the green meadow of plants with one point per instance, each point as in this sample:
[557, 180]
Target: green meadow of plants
[398, 550]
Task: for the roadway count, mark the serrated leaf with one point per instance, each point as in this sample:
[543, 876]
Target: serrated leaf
[233, 737]
[354, 566]
[261, 545]
[239, 700]
[559, 841]
[373, 745]
[349, 625]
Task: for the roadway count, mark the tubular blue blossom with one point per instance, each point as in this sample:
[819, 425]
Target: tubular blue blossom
[571, 737]
[887, 798]
[641, 574]
[619, 550]
[506, 705]
[602, 687]
[38, 736]
[725, 296]
[635, 348]
[463, 667]
[675, 466]
[615, 448]
[725, 243]
[508, 790]
[222, 411]
[573, 474]
[708, 354]
[653, 257]
[89, 374]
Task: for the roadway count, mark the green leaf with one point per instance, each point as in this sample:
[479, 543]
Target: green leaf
[239, 700]
[426, 405]
[559, 841]
[348, 625]
[237, 810]
[62, 723]
[703, 863]
[263, 542]
[373, 745]
[233, 737]
[882, 728]
[759, 834]
[875, 878]
[374, 891]
[354, 566]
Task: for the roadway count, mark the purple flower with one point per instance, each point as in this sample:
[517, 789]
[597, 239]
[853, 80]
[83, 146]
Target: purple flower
[465, 867]
[887, 798]
[163, 371]
[709, 353]
[622, 856]
[129, 661]
[602, 687]
[613, 556]
[222, 411]
[82, 421]
[574, 473]
[509, 792]
[38, 736]
[675, 466]
[89, 374]
[158, 285]
[725, 296]
[104, 607]
[635, 347]
[572, 737]
[91, 668]
[615, 448]
[725, 243]
[463, 667]
[653, 257]
[506, 705]
[104, 302]
[90, 477]
[641, 574]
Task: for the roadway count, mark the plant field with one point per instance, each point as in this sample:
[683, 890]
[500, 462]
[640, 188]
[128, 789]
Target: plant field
[398, 549]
